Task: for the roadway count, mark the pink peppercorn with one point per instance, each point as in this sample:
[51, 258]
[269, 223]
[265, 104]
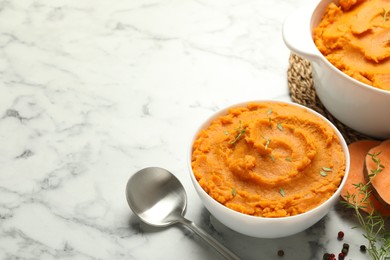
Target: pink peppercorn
[340, 235]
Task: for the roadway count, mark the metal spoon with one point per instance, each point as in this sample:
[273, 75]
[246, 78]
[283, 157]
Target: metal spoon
[158, 198]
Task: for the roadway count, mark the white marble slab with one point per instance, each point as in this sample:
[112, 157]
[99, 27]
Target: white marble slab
[92, 91]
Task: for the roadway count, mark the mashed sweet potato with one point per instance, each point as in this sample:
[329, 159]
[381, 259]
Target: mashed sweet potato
[355, 37]
[268, 159]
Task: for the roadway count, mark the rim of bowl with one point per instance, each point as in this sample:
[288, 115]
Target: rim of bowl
[223, 111]
[320, 11]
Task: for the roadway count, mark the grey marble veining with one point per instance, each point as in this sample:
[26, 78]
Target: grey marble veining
[92, 91]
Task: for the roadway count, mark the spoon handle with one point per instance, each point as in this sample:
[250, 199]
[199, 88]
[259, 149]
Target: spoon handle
[209, 239]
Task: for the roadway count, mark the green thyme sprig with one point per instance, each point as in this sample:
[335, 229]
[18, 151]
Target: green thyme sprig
[379, 165]
[267, 142]
[234, 192]
[282, 192]
[385, 14]
[269, 112]
[240, 132]
[373, 224]
[280, 127]
[324, 171]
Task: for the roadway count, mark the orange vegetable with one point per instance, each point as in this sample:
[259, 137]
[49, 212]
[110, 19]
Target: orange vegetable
[358, 151]
[378, 160]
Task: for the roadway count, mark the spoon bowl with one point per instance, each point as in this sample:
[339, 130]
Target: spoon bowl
[158, 198]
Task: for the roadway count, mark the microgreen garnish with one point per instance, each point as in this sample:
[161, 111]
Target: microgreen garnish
[269, 112]
[267, 142]
[326, 169]
[288, 159]
[372, 223]
[226, 132]
[240, 132]
[280, 127]
[323, 174]
[234, 192]
[282, 192]
[272, 157]
[385, 14]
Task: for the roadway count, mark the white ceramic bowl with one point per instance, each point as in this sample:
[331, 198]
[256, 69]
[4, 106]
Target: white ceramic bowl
[260, 226]
[357, 105]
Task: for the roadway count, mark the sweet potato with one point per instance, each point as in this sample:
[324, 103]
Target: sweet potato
[358, 151]
[377, 169]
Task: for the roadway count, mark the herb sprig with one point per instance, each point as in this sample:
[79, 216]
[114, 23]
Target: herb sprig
[269, 112]
[282, 192]
[234, 192]
[280, 127]
[385, 14]
[324, 171]
[373, 224]
[240, 132]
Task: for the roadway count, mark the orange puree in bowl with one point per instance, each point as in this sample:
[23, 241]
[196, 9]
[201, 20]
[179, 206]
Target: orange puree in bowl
[268, 159]
[355, 37]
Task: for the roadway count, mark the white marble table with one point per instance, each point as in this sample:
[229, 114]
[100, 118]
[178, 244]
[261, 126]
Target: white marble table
[92, 91]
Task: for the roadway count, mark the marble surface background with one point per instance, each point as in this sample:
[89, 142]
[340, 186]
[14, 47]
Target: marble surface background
[92, 91]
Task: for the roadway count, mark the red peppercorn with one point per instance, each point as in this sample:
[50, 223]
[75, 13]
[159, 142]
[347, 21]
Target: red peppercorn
[340, 235]
[280, 253]
[341, 256]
